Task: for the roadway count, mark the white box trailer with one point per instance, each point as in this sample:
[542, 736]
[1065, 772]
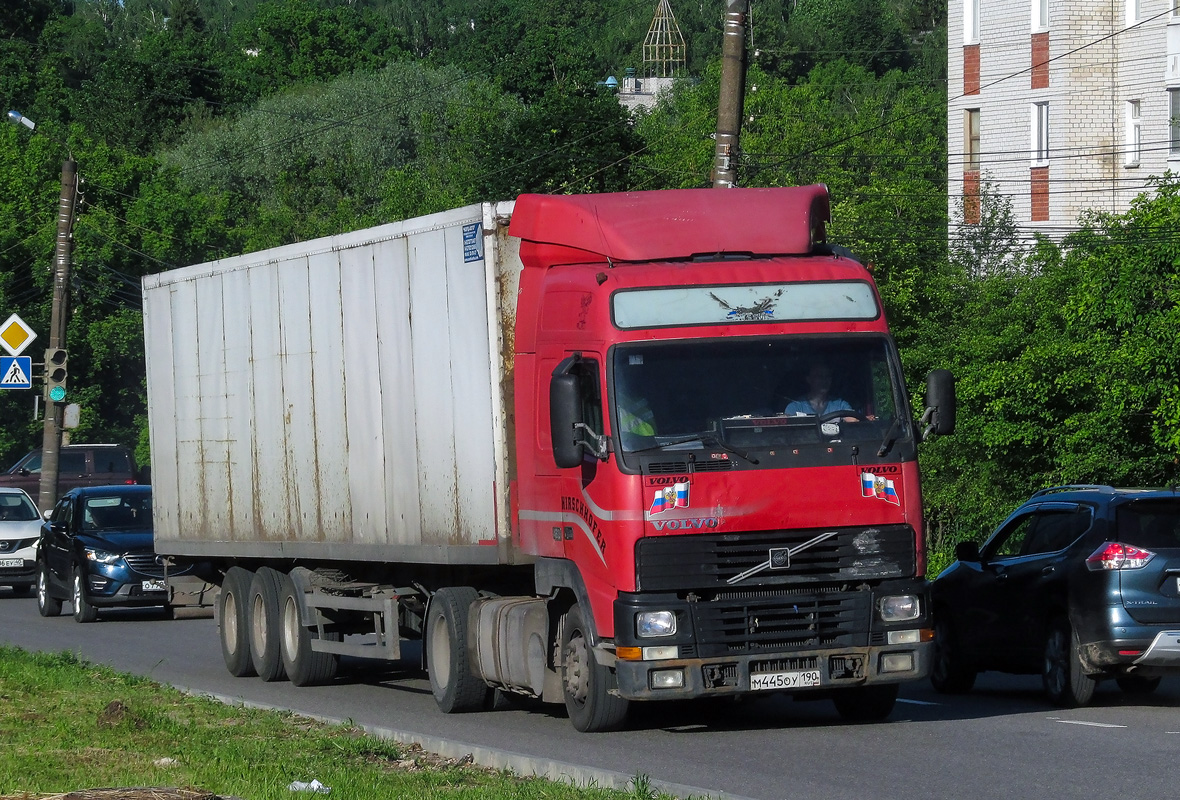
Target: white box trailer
[342, 398]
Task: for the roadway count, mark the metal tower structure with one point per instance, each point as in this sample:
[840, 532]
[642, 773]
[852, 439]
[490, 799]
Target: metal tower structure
[663, 48]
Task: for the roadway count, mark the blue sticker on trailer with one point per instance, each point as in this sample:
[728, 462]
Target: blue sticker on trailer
[16, 372]
[472, 242]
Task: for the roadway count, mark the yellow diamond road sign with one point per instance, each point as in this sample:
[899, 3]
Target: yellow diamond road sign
[15, 335]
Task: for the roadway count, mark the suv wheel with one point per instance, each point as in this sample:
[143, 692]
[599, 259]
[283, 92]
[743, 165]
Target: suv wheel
[83, 611]
[47, 604]
[1065, 682]
[949, 674]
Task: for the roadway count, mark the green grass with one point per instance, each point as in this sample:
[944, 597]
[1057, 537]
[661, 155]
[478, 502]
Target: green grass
[68, 725]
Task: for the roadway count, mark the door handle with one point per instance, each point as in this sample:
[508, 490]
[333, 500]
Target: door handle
[1049, 570]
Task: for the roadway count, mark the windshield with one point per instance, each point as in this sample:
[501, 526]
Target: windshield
[117, 513]
[16, 508]
[756, 392]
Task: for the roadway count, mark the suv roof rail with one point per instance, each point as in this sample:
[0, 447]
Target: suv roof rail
[1072, 487]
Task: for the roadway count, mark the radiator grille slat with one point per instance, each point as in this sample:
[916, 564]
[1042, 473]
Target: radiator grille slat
[778, 622]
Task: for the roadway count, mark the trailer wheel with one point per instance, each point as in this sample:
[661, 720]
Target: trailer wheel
[304, 666]
[265, 626]
[866, 703]
[453, 681]
[233, 622]
[590, 689]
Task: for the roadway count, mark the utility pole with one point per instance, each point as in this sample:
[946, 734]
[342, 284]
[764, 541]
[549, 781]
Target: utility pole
[55, 355]
[732, 95]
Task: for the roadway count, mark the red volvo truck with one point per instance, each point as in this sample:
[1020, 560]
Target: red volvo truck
[593, 449]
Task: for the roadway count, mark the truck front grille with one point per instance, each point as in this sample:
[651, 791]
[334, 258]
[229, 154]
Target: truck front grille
[707, 561]
[778, 622]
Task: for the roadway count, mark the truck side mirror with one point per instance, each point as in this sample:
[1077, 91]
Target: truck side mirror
[967, 551]
[565, 415]
[939, 417]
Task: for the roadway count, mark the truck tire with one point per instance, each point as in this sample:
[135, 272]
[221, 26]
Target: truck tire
[1065, 683]
[83, 610]
[590, 689]
[47, 604]
[949, 674]
[233, 622]
[304, 666]
[456, 687]
[865, 703]
[265, 625]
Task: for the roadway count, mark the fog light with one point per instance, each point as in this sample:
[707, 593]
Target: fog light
[660, 653]
[904, 637]
[667, 679]
[651, 624]
[897, 662]
[899, 608]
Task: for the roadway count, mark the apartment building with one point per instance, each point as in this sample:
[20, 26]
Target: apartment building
[1061, 107]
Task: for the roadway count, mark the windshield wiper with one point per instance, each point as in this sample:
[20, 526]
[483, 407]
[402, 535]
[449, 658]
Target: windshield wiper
[891, 437]
[707, 438]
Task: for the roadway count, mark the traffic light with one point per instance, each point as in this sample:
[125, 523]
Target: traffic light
[56, 362]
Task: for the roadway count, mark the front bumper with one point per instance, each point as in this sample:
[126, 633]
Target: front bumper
[24, 575]
[716, 677]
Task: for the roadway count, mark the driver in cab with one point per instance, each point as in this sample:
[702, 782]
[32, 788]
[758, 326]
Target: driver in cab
[818, 400]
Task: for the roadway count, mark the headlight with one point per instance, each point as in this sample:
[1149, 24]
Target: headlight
[650, 624]
[101, 556]
[899, 608]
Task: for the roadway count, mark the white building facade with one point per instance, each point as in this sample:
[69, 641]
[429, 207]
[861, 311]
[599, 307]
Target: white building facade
[1060, 107]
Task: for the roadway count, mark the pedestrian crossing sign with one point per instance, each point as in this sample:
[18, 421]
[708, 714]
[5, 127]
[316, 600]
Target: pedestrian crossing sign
[16, 372]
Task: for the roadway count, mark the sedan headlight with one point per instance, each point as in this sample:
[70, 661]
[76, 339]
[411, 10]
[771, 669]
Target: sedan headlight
[651, 624]
[899, 608]
[101, 556]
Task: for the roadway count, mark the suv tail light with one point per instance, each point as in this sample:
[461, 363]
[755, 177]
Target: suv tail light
[1114, 555]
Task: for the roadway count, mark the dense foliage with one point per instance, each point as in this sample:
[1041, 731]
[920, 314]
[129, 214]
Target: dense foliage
[205, 128]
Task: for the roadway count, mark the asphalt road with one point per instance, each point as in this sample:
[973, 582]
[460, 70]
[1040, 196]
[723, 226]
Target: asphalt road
[1001, 741]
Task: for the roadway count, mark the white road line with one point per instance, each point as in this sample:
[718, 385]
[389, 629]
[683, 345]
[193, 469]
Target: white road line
[917, 702]
[1090, 724]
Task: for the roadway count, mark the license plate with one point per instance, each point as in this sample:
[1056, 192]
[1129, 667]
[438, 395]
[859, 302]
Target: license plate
[12, 562]
[785, 680]
[154, 586]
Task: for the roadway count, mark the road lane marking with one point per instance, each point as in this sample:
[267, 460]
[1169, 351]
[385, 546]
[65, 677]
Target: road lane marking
[1090, 724]
[917, 702]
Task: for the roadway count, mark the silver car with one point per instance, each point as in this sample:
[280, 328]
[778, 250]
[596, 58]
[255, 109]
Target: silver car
[20, 525]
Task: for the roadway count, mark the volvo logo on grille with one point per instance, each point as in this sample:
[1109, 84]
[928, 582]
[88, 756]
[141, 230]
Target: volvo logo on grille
[780, 557]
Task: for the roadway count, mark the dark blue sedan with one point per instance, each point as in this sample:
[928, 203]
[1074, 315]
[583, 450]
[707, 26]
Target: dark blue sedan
[96, 552]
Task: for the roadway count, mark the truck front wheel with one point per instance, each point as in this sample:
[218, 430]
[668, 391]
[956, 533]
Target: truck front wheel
[233, 622]
[304, 666]
[590, 689]
[453, 682]
[265, 626]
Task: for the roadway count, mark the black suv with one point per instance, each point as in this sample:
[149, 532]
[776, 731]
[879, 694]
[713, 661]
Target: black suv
[1079, 584]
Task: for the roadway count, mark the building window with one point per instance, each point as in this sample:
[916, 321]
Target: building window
[1134, 143]
[1174, 122]
[1040, 15]
[971, 21]
[1040, 132]
[971, 140]
[1132, 11]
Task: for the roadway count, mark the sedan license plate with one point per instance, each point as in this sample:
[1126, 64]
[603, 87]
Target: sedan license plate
[12, 562]
[154, 586]
[785, 680]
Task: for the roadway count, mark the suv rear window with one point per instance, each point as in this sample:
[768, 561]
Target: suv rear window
[1151, 524]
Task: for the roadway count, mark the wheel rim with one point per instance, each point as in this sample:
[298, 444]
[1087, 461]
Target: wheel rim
[77, 593]
[440, 651]
[291, 628]
[229, 623]
[1056, 663]
[42, 589]
[258, 625]
[577, 668]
